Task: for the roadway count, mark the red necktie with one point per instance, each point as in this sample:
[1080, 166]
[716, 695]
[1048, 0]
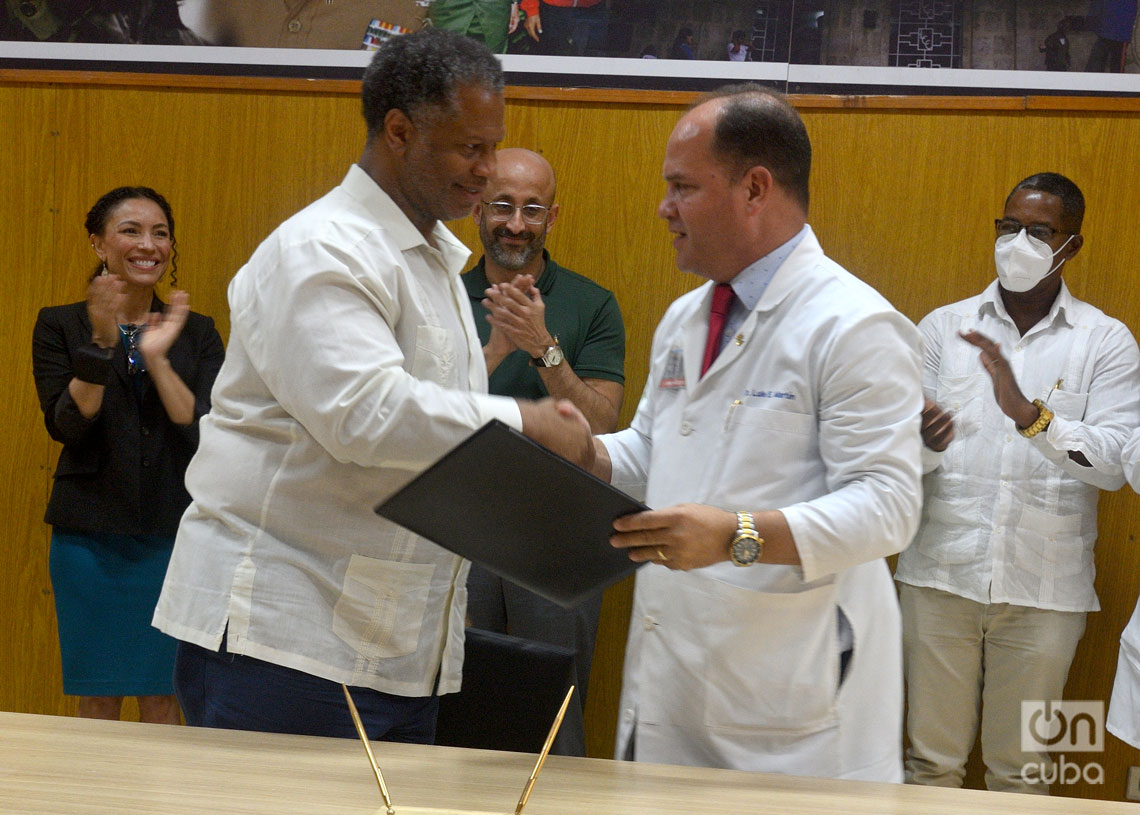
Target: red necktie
[721, 303]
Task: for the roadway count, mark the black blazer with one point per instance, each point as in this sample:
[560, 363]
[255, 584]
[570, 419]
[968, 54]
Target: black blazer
[122, 471]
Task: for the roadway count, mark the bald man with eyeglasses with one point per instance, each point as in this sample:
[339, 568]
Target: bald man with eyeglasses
[546, 331]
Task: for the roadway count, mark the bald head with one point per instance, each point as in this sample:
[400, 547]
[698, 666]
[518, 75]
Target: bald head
[519, 167]
[698, 126]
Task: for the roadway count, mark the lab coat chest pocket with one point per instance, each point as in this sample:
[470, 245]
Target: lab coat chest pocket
[773, 660]
[381, 607]
[434, 359]
[783, 437]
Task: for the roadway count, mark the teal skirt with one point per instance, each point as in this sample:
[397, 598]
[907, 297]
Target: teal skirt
[106, 587]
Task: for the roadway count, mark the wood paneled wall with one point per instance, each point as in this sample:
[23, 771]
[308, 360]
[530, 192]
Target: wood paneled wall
[903, 197]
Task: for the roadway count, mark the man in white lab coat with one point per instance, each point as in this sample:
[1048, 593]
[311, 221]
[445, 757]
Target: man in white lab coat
[1124, 706]
[765, 632]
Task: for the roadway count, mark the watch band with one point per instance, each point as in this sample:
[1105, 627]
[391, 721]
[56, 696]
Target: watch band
[1044, 416]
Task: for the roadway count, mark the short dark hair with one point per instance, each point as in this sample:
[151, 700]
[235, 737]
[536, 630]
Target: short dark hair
[424, 69]
[757, 127]
[1072, 199]
[100, 213]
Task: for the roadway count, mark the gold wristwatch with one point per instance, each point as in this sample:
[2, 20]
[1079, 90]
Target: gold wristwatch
[747, 545]
[1044, 416]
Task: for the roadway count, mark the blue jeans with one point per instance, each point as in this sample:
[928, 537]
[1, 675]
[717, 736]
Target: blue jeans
[219, 689]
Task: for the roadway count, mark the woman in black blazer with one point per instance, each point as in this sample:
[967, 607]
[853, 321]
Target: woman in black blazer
[122, 380]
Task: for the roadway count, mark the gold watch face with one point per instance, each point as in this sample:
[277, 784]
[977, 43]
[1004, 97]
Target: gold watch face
[745, 550]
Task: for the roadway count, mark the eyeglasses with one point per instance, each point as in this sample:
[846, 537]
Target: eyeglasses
[1008, 226]
[502, 211]
[135, 362]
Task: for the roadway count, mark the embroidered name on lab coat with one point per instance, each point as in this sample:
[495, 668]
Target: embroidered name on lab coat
[769, 394]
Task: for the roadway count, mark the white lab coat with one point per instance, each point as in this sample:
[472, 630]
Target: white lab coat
[813, 409]
[1124, 707]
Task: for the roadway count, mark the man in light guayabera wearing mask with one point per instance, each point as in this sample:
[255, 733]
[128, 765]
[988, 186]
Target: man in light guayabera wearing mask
[1030, 396]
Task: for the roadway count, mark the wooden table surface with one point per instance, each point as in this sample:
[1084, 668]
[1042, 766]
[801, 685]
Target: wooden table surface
[51, 764]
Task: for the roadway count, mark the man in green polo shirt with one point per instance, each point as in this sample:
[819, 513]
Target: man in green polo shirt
[545, 331]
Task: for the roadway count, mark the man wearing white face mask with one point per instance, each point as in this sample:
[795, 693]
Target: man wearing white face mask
[1030, 396]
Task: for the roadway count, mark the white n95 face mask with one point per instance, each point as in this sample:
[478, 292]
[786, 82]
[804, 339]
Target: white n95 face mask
[1023, 261]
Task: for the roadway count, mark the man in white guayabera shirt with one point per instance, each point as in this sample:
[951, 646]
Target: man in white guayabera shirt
[1030, 395]
[353, 364]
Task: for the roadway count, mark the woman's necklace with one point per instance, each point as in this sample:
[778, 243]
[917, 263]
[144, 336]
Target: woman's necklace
[135, 362]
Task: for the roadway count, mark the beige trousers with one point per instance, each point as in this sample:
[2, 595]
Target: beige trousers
[962, 659]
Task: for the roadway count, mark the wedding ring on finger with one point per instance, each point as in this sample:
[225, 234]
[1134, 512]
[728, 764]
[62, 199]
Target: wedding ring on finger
[661, 556]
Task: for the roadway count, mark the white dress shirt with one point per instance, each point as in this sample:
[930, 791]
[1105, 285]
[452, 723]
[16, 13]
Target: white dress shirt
[1009, 519]
[353, 364]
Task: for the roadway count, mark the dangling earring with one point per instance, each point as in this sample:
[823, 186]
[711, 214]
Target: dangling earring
[103, 270]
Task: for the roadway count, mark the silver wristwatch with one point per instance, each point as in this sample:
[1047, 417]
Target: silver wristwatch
[552, 357]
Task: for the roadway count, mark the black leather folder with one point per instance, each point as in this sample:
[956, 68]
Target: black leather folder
[527, 514]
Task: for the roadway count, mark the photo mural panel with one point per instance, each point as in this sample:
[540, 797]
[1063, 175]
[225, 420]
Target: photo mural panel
[823, 46]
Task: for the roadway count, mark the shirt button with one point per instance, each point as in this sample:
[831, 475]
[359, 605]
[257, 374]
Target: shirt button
[146, 462]
[686, 428]
[648, 623]
[294, 26]
[628, 714]
[146, 431]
